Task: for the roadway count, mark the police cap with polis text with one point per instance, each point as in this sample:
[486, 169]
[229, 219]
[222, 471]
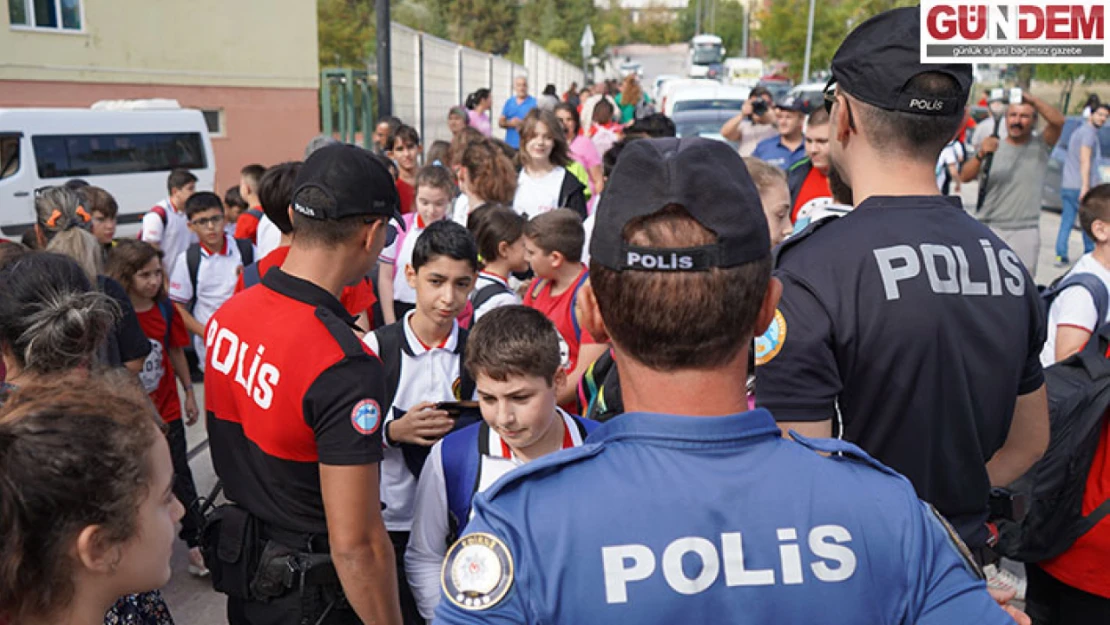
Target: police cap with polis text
[349, 181]
[877, 61]
[708, 178]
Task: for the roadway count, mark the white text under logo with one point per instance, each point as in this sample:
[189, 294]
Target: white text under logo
[1009, 31]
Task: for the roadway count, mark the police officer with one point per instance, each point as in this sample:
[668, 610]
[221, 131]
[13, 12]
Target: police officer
[905, 326]
[294, 413]
[687, 509]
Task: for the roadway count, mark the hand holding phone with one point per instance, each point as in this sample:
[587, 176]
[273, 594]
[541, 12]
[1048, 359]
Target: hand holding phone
[454, 409]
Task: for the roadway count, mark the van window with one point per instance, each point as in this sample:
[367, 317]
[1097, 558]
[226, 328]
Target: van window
[69, 156]
[9, 155]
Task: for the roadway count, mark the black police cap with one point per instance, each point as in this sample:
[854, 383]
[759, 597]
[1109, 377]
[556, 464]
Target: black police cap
[708, 178]
[350, 182]
[877, 61]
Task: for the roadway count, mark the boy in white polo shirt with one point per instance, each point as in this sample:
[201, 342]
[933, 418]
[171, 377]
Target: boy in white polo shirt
[1073, 316]
[166, 226]
[205, 273]
[422, 358]
[515, 361]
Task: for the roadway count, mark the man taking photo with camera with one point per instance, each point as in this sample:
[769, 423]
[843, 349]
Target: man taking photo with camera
[755, 122]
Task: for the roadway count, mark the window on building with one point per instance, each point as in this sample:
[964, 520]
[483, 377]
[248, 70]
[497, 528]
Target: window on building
[46, 14]
[72, 156]
[215, 120]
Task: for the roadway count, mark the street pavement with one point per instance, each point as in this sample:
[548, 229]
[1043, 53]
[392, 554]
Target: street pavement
[193, 602]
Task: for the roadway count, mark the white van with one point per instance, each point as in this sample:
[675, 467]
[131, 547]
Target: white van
[129, 153]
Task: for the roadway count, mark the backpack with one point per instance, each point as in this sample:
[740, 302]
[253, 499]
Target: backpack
[462, 470]
[1094, 285]
[391, 342]
[481, 296]
[251, 275]
[192, 260]
[166, 307]
[1078, 397]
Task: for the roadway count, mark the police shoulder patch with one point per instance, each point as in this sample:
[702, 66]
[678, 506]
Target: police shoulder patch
[477, 572]
[957, 543]
[769, 344]
[366, 416]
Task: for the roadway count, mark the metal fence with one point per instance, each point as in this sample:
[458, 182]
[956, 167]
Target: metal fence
[430, 75]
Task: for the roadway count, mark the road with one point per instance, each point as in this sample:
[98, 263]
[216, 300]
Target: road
[193, 602]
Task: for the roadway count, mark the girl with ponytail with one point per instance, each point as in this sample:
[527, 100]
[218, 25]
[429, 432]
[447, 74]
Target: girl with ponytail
[478, 104]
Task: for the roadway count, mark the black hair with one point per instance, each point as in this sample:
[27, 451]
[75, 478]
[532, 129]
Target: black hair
[179, 179]
[759, 92]
[473, 99]
[51, 319]
[253, 173]
[492, 225]
[653, 126]
[1094, 206]
[275, 192]
[550, 90]
[202, 201]
[568, 108]
[920, 137]
[233, 198]
[445, 238]
[75, 184]
[609, 161]
[406, 134]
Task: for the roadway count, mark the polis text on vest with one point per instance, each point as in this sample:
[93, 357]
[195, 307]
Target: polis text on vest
[951, 270]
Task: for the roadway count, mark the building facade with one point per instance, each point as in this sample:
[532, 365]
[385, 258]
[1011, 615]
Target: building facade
[250, 65]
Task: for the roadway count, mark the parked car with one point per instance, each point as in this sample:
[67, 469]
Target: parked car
[703, 123]
[811, 93]
[1050, 192]
[673, 86]
[717, 96]
[778, 88]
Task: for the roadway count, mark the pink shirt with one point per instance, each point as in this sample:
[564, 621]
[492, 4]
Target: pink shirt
[479, 122]
[584, 151]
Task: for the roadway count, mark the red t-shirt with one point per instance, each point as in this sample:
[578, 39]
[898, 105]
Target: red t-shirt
[356, 299]
[247, 226]
[560, 310]
[815, 186]
[407, 194]
[158, 373]
[1083, 566]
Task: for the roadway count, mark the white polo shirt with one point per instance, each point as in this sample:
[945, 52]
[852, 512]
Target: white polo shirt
[486, 279]
[173, 237]
[1074, 307]
[428, 374]
[399, 254]
[431, 525]
[267, 237]
[216, 278]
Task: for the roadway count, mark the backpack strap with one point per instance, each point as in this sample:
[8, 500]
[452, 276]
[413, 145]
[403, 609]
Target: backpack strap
[251, 275]
[467, 384]
[192, 261]
[390, 341]
[488, 292]
[256, 213]
[246, 251]
[160, 210]
[573, 300]
[1089, 281]
[462, 473]
[537, 286]
[166, 306]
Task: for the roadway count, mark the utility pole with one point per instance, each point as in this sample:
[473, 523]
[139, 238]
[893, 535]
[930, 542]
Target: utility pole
[697, 17]
[747, 24]
[385, 71]
[809, 43]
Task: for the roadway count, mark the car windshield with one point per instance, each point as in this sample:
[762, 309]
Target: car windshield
[708, 104]
[707, 53]
[698, 129]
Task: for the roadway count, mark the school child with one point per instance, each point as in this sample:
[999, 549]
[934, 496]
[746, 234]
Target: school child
[422, 356]
[137, 266]
[205, 274]
[514, 360]
[434, 192]
[499, 234]
[553, 248]
[406, 154]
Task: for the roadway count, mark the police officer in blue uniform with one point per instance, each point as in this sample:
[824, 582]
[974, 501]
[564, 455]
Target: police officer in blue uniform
[688, 508]
[906, 326]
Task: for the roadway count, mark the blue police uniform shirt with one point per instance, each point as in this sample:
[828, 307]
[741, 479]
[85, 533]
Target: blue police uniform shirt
[774, 152]
[668, 519]
[914, 329]
[516, 110]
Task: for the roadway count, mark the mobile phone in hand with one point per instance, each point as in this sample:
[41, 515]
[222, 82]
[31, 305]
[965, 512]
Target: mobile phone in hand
[454, 409]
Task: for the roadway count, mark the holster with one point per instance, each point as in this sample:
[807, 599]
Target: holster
[231, 544]
[277, 573]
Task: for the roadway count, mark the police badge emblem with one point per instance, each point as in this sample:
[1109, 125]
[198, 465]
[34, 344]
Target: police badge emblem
[477, 572]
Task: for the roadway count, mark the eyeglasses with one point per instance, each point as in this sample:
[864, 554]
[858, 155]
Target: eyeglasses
[208, 222]
[830, 95]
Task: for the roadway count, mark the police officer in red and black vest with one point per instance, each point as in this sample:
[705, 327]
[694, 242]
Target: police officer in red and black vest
[294, 404]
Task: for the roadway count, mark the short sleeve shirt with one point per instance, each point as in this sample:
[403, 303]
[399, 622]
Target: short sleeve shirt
[1013, 199]
[282, 403]
[1086, 136]
[774, 152]
[171, 234]
[516, 110]
[914, 329]
[1074, 307]
[157, 375]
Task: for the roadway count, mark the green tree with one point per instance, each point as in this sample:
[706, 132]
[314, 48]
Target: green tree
[782, 29]
[1072, 75]
[345, 31]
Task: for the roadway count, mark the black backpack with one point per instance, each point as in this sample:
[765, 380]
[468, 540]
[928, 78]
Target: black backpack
[1078, 397]
[391, 342]
[192, 260]
[1094, 285]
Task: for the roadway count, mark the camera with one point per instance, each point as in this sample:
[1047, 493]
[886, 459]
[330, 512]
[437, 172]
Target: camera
[759, 106]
